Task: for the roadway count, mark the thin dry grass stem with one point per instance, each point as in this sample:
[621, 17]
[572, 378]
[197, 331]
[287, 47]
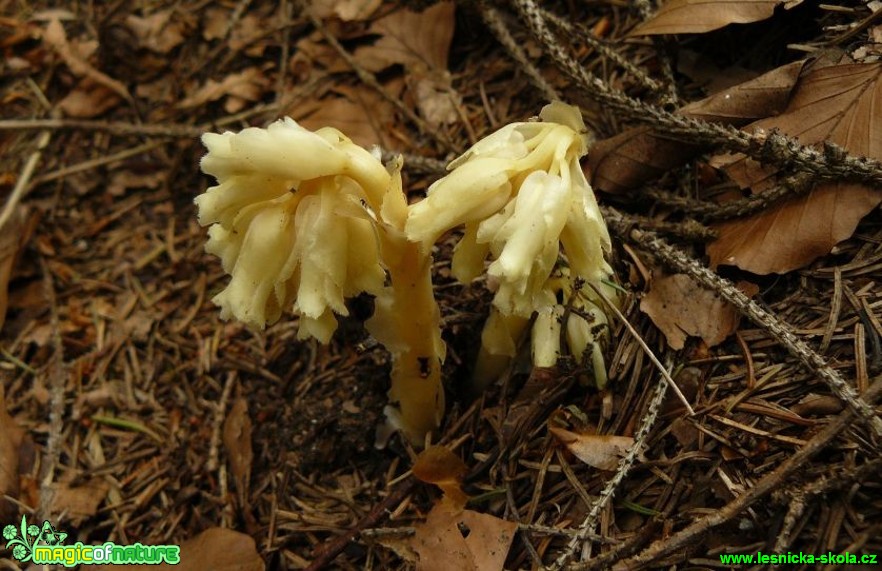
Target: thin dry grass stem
[494, 20]
[115, 127]
[98, 162]
[154, 130]
[772, 481]
[649, 353]
[624, 467]
[780, 331]
[24, 179]
[748, 360]
[285, 10]
[830, 163]
[835, 308]
[370, 80]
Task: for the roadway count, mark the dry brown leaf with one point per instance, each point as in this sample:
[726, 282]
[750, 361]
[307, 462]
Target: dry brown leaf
[237, 441]
[699, 16]
[417, 40]
[215, 25]
[247, 85]
[249, 36]
[680, 307]
[55, 36]
[123, 180]
[215, 548]
[11, 437]
[77, 502]
[464, 540]
[602, 451]
[841, 104]
[436, 99]
[635, 156]
[361, 114]
[89, 99]
[160, 32]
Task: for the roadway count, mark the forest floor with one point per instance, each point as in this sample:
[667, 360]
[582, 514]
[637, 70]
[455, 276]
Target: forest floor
[130, 412]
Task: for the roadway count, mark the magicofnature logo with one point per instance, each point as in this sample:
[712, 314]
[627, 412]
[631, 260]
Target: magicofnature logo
[31, 535]
[44, 545]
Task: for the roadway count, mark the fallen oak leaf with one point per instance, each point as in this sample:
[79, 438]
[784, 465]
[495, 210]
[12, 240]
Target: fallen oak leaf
[839, 104]
[417, 40]
[699, 16]
[88, 99]
[346, 10]
[77, 503]
[467, 540]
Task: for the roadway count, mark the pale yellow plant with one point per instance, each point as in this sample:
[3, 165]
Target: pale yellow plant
[302, 220]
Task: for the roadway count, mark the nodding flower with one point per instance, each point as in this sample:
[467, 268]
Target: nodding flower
[289, 224]
[302, 220]
[521, 195]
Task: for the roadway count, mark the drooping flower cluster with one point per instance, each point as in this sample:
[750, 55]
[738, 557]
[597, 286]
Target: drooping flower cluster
[302, 220]
[521, 195]
[288, 223]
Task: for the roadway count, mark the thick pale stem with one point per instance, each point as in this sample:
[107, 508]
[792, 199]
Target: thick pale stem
[407, 321]
[492, 361]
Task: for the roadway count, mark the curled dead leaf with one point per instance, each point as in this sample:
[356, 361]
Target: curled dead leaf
[237, 441]
[602, 451]
[696, 17]
[10, 244]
